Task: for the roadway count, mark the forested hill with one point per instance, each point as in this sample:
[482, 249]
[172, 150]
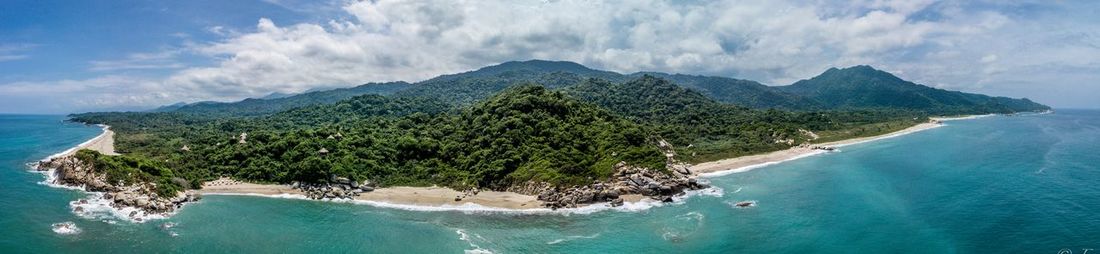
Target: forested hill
[272, 104]
[865, 87]
[740, 92]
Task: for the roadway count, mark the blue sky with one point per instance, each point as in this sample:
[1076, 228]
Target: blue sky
[75, 56]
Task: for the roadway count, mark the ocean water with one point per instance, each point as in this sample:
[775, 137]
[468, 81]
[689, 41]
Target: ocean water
[1001, 184]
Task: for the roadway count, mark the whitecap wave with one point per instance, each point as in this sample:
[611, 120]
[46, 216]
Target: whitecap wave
[572, 237]
[462, 235]
[682, 226]
[756, 166]
[51, 180]
[943, 119]
[95, 207]
[167, 227]
[65, 228]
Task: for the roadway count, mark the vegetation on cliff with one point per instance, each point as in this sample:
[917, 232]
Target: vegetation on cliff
[130, 170]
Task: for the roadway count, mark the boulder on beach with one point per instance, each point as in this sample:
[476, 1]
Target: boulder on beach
[617, 202]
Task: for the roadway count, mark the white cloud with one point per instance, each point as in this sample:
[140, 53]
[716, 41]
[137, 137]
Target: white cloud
[12, 57]
[776, 42]
[138, 61]
[413, 40]
[104, 92]
[12, 52]
[989, 58]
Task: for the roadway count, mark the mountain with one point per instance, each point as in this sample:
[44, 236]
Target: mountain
[529, 67]
[269, 105]
[647, 98]
[472, 86]
[740, 92]
[468, 87]
[170, 107]
[865, 87]
[276, 95]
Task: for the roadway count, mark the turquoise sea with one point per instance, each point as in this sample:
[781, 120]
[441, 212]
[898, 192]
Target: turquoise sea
[1001, 184]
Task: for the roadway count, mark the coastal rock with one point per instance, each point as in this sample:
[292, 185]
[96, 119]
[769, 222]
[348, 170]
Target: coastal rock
[625, 180]
[745, 204]
[330, 191]
[617, 202]
[71, 171]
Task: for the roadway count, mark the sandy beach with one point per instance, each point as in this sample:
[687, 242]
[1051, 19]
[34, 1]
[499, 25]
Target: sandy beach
[425, 196]
[746, 163]
[104, 143]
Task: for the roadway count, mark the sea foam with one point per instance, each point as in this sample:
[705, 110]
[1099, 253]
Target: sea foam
[99, 208]
[65, 228]
[756, 166]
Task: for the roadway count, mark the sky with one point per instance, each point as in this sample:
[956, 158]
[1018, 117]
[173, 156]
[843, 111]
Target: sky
[60, 57]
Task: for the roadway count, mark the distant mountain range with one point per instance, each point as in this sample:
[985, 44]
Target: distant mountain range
[277, 102]
[858, 87]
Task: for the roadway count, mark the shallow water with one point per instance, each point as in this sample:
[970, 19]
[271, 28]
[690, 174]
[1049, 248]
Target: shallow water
[1004, 184]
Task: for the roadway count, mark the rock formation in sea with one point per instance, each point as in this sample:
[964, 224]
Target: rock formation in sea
[70, 171]
[626, 180]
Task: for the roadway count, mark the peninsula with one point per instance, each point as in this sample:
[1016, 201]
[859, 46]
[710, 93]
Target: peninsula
[519, 135]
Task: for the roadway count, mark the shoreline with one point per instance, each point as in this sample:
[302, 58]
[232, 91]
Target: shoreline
[443, 199]
[103, 143]
[427, 198]
[95, 206]
[750, 162]
[401, 195]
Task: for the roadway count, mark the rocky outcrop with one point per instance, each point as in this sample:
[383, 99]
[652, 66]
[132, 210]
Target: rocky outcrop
[823, 148]
[627, 180]
[339, 188]
[70, 171]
